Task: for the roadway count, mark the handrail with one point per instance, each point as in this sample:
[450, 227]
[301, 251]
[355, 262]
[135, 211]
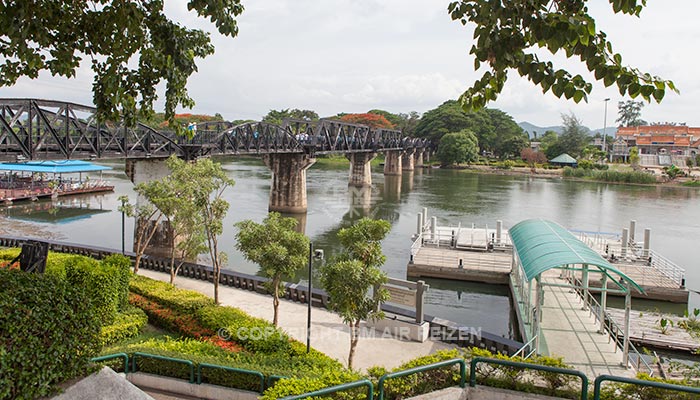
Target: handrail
[189, 363]
[112, 356]
[522, 349]
[508, 363]
[272, 379]
[337, 388]
[423, 368]
[612, 329]
[639, 382]
[256, 374]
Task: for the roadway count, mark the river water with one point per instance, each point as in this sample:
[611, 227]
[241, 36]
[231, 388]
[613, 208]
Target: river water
[454, 196]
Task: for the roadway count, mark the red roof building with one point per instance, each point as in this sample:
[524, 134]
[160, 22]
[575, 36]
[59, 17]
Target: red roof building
[673, 139]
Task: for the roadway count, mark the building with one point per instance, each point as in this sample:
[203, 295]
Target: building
[658, 144]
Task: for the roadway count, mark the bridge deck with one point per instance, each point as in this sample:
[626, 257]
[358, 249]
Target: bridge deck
[570, 332]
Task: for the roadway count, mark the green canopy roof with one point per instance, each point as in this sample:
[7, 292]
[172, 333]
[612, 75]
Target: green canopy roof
[542, 245]
[563, 159]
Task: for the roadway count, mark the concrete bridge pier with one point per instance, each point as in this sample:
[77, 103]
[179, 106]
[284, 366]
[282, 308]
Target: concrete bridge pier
[408, 160]
[418, 158]
[288, 189]
[392, 162]
[142, 170]
[360, 169]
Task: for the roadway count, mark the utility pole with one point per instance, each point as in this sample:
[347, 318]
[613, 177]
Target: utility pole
[605, 125]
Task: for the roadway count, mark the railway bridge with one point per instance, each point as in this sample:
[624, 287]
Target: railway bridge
[36, 129]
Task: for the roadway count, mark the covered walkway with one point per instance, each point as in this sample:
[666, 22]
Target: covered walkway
[559, 321]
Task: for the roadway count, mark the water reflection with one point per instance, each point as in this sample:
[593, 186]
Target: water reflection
[62, 211]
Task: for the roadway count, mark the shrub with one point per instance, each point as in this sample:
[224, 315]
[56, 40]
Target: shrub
[585, 164]
[100, 282]
[127, 324]
[422, 382]
[254, 334]
[622, 391]
[295, 386]
[169, 319]
[122, 265]
[49, 333]
[186, 301]
[295, 364]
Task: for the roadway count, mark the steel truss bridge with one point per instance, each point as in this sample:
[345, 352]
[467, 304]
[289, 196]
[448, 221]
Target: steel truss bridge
[35, 129]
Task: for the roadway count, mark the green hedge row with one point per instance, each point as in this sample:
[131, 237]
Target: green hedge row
[49, 332]
[128, 323]
[610, 176]
[254, 334]
[295, 363]
[187, 301]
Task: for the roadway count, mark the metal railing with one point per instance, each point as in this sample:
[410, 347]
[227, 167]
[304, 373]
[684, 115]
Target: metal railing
[338, 388]
[256, 374]
[507, 363]
[108, 357]
[614, 331]
[447, 363]
[639, 382]
[527, 346]
[667, 268]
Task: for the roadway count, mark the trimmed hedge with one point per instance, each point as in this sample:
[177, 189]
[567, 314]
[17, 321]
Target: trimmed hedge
[186, 301]
[254, 334]
[127, 324]
[295, 364]
[49, 332]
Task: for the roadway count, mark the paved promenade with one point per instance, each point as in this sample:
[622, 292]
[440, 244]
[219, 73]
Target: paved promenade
[328, 332]
[572, 333]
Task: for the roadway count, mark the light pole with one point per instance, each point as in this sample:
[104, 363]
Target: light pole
[317, 255]
[605, 125]
[123, 223]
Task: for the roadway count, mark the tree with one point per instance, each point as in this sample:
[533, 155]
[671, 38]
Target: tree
[277, 117]
[132, 45]
[506, 34]
[532, 157]
[147, 219]
[207, 181]
[276, 247]
[408, 123]
[511, 147]
[575, 137]
[350, 277]
[457, 147]
[394, 119]
[629, 113]
[177, 205]
[634, 157]
[369, 119]
[446, 118]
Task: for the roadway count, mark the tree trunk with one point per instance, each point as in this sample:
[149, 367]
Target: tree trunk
[354, 337]
[275, 299]
[137, 262]
[172, 267]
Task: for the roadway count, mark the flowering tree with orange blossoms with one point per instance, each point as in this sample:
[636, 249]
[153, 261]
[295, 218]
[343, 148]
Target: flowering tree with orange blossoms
[369, 119]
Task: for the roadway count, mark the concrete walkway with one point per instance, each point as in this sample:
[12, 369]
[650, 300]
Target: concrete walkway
[328, 332]
[572, 333]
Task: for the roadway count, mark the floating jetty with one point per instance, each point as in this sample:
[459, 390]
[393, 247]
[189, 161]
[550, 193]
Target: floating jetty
[551, 273]
[29, 181]
[483, 254]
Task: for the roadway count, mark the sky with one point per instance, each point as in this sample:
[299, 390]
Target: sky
[401, 55]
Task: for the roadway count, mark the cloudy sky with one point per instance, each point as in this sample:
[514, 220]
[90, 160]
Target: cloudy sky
[401, 55]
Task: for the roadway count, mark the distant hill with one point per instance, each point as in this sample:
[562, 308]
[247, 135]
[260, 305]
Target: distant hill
[530, 128]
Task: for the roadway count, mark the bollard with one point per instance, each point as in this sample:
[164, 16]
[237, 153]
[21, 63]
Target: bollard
[433, 228]
[647, 238]
[625, 243]
[419, 228]
[460, 263]
[633, 228]
[499, 231]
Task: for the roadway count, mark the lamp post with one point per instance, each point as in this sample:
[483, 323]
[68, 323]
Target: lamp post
[605, 124]
[317, 255]
[123, 223]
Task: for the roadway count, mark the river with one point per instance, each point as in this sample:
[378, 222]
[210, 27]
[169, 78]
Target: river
[453, 196]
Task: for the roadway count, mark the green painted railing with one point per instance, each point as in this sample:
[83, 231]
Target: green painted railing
[639, 382]
[189, 363]
[508, 363]
[256, 374]
[423, 368]
[123, 356]
[336, 389]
